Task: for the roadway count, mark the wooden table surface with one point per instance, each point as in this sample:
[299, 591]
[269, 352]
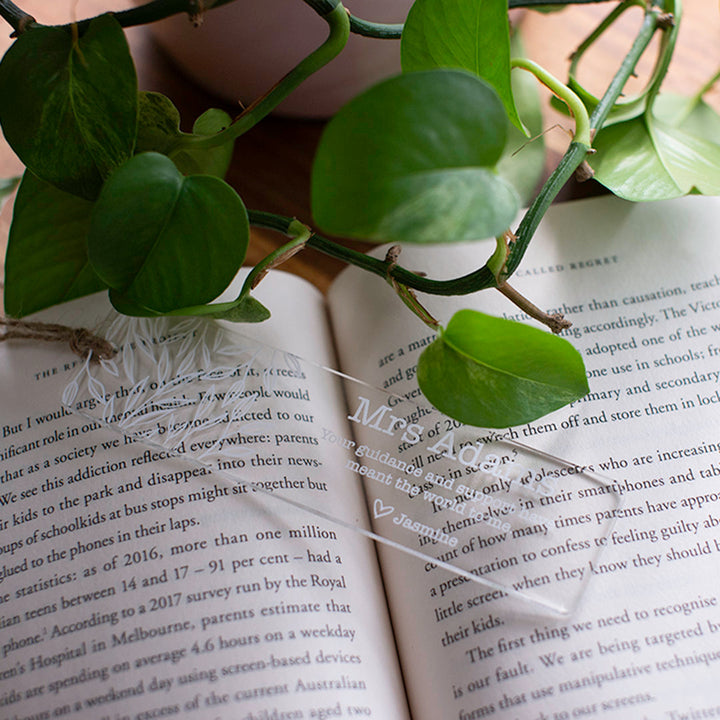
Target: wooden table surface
[271, 165]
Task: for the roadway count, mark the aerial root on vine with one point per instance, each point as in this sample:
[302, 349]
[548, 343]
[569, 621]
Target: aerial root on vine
[196, 13]
[406, 294]
[584, 172]
[541, 134]
[391, 258]
[666, 21]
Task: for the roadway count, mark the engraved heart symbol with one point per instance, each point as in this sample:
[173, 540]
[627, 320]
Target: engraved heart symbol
[381, 510]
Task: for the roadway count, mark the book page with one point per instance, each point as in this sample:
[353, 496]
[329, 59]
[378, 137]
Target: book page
[133, 585]
[640, 284]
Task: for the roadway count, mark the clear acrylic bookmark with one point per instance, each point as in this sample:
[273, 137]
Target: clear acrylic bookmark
[395, 470]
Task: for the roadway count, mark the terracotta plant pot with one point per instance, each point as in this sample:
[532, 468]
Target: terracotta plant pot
[243, 48]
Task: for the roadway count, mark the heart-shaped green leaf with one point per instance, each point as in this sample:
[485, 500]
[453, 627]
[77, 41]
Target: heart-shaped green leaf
[214, 161]
[159, 131]
[492, 372]
[693, 114]
[69, 109]
[671, 150]
[158, 123]
[165, 241]
[129, 307]
[462, 34]
[46, 260]
[413, 160]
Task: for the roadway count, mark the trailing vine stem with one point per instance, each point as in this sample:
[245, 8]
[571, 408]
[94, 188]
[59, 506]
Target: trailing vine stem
[17, 18]
[340, 25]
[299, 235]
[393, 31]
[651, 22]
[576, 153]
[483, 277]
[477, 280]
[669, 20]
[339, 30]
[141, 15]
[156, 10]
[619, 10]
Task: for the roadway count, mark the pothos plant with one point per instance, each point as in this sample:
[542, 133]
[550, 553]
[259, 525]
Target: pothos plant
[115, 196]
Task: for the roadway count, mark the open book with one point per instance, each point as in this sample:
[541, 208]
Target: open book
[136, 585]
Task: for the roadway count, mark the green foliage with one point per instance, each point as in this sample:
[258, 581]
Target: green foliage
[154, 233]
[463, 34]
[158, 127]
[492, 372]
[72, 112]
[214, 161]
[672, 149]
[413, 160]
[129, 307]
[117, 196]
[474, 36]
[67, 108]
[46, 260]
[159, 131]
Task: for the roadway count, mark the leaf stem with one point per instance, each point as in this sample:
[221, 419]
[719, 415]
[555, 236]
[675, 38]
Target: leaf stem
[299, 233]
[578, 110]
[339, 27]
[470, 283]
[707, 86]
[555, 321]
[393, 31]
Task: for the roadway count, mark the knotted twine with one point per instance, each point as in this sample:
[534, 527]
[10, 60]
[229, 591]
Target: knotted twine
[80, 340]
